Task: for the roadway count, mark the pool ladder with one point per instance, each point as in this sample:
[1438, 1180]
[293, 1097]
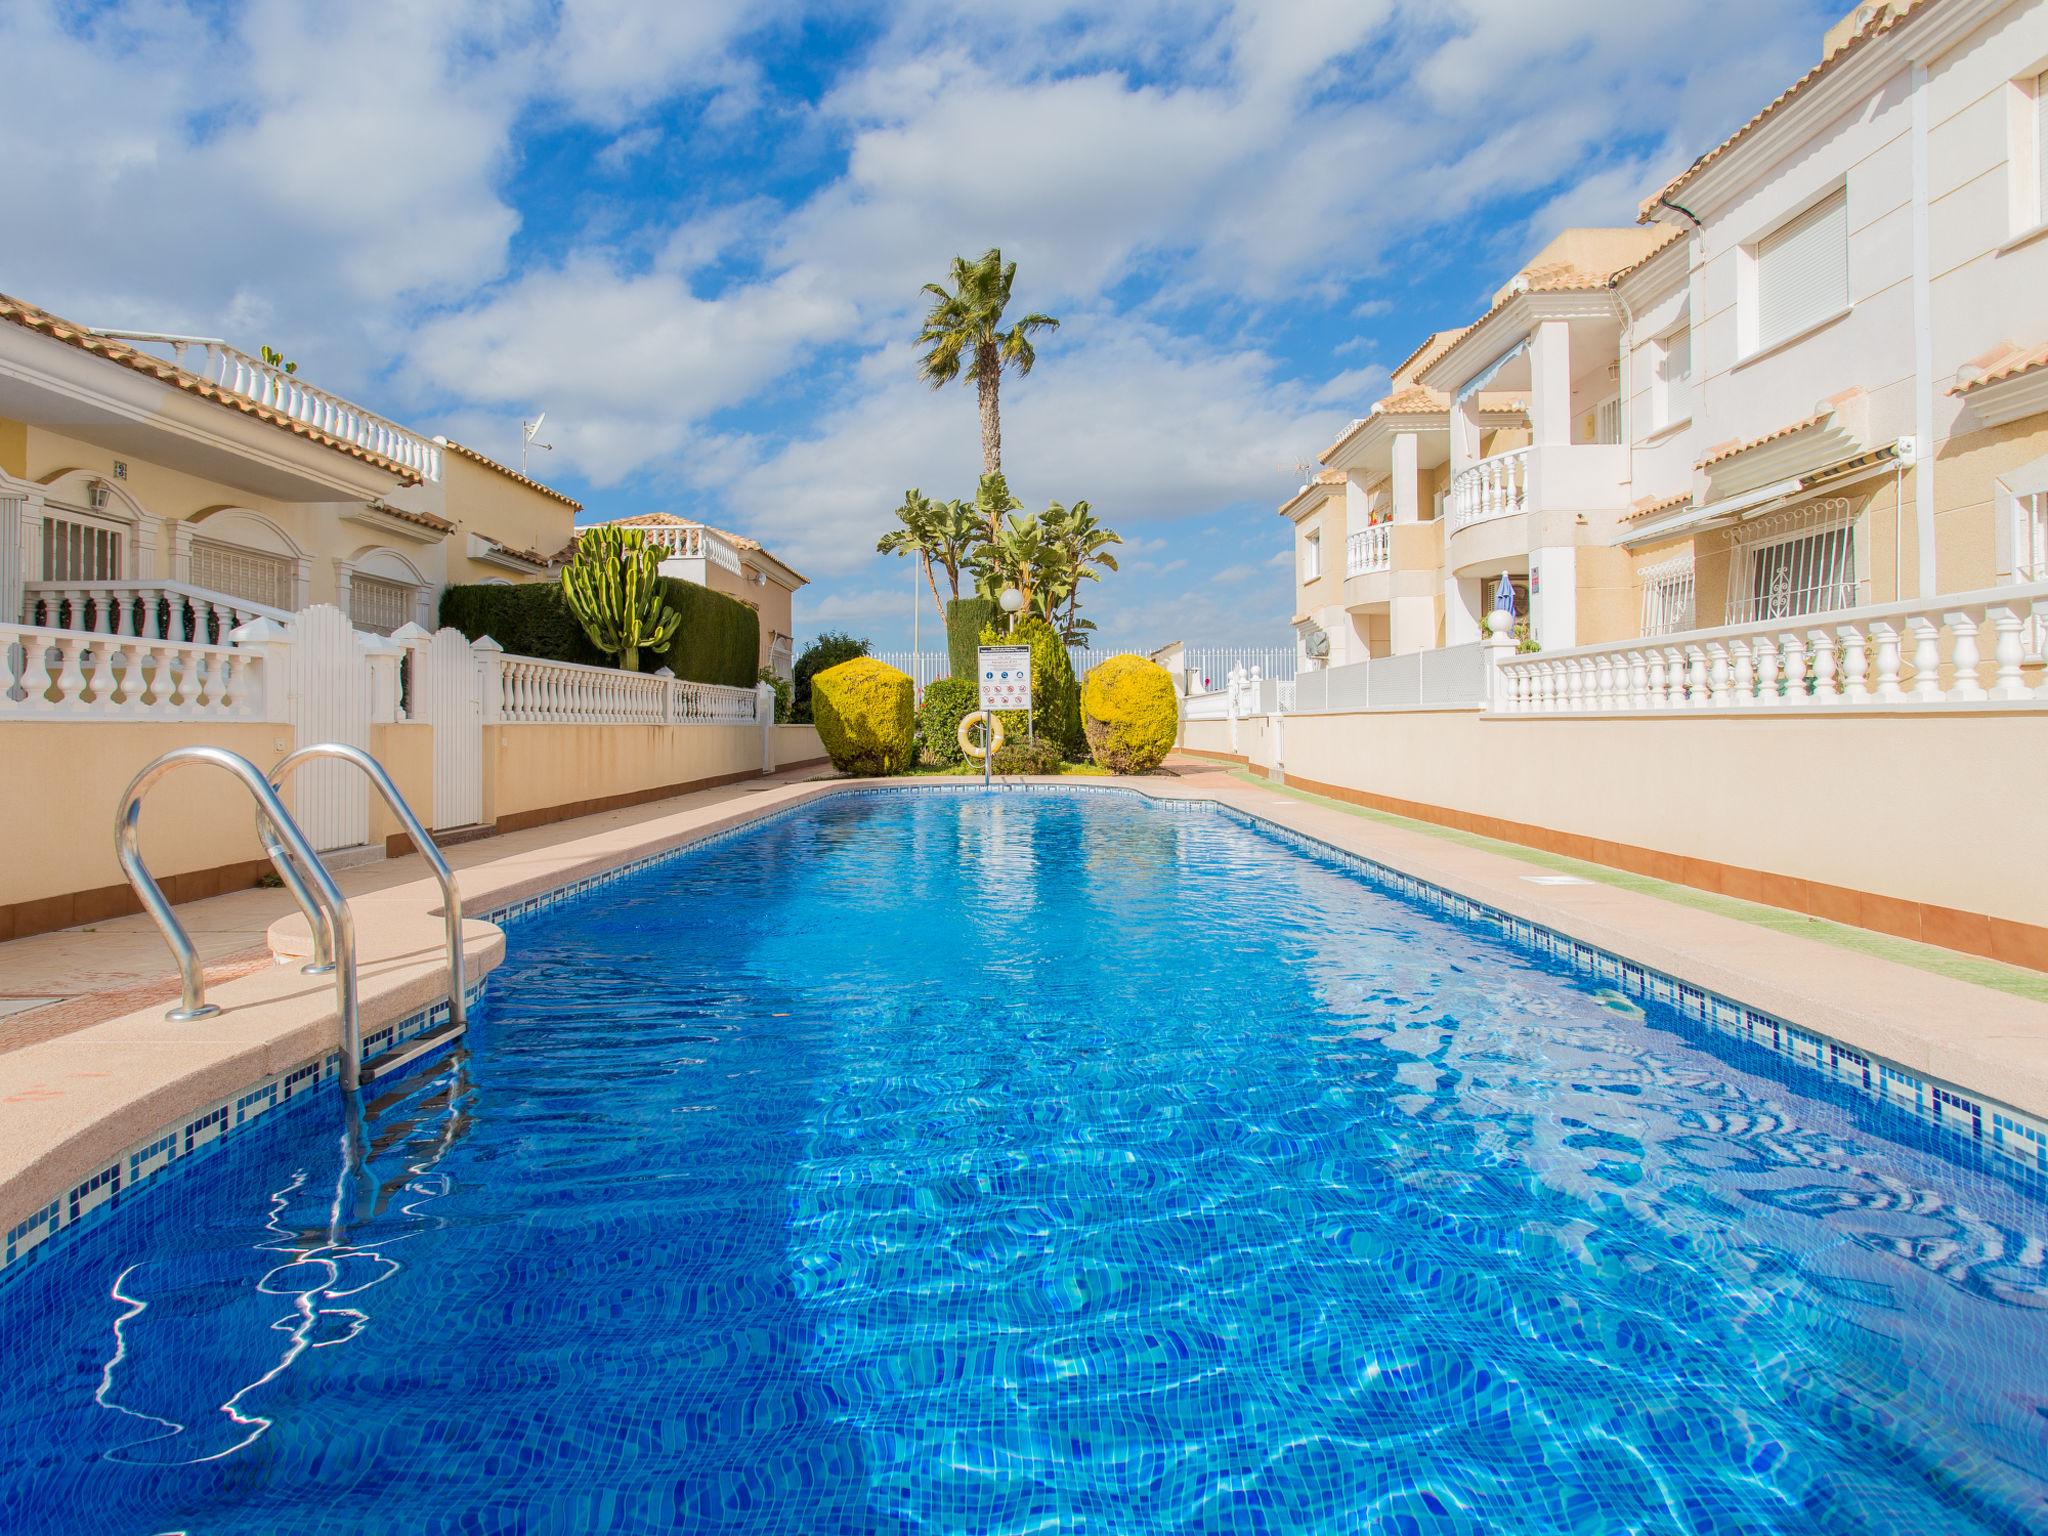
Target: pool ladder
[299, 867]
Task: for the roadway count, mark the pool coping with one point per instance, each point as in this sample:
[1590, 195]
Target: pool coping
[76, 1136]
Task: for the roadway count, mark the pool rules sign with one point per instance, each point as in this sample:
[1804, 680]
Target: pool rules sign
[1005, 676]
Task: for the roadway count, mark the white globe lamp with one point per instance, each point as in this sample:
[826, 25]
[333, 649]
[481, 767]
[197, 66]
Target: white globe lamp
[1012, 600]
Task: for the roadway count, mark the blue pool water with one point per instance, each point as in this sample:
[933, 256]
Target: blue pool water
[1016, 1163]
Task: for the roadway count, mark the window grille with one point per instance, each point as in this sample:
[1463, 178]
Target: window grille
[379, 605]
[1668, 596]
[77, 548]
[1795, 562]
[1802, 270]
[250, 574]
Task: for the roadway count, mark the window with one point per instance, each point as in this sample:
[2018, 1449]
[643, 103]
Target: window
[1312, 556]
[1793, 563]
[253, 575]
[379, 605]
[1802, 271]
[1668, 596]
[81, 548]
[1671, 379]
[1607, 421]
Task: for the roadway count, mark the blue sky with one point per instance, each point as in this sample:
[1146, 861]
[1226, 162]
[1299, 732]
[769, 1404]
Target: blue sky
[693, 231]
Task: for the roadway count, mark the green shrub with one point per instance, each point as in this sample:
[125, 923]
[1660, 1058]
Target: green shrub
[782, 693]
[719, 641]
[1019, 756]
[864, 716]
[946, 703]
[966, 618]
[1131, 714]
[828, 650]
[1055, 698]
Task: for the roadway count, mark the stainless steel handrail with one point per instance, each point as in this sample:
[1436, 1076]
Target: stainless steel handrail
[323, 894]
[325, 945]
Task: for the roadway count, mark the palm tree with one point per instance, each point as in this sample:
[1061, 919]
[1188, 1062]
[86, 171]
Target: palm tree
[918, 516]
[963, 328]
[1083, 542]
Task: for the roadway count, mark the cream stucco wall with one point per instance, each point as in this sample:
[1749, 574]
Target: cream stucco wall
[68, 781]
[532, 768]
[406, 749]
[1917, 807]
[797, 744]
[479, 499]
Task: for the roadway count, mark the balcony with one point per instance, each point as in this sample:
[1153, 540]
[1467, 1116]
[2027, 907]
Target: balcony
[1543, 496]
[1369, 550]
[691, 541]
[1492, 488]
[287, 394]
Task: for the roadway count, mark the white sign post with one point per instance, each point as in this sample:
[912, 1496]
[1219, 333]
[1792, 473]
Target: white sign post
[1005, 684]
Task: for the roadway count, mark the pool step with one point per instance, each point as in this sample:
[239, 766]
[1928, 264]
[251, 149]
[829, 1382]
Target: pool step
[394, 1064]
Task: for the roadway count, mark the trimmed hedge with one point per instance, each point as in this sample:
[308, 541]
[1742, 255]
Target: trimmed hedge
[1131, 713]
[863, 711]
[719, 641]
[946, 703]
[1055, 698]
[966, 618]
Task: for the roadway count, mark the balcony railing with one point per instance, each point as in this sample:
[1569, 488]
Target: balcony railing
[1495, 487]
[692, 541]
[253, 379]
[1963, 649]
[536, 692]
[1369, 550]
[149, 610]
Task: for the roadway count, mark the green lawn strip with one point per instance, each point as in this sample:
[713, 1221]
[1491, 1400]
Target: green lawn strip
[1924, 957]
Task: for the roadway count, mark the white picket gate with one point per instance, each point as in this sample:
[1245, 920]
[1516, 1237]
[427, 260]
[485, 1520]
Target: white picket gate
[446, 693]
[328, 698]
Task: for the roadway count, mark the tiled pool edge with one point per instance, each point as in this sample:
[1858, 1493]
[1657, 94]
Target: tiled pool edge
[192, 1138]
[2020, 1140]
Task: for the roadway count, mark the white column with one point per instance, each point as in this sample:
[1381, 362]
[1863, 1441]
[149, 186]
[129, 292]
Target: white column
[764, 711]
[179, 548]
[1464, 434]
[14, 548]
[1554, 595]
[1550, 384]
[490, 674]
[1461, 611]
[344, 579]
[1407, 481]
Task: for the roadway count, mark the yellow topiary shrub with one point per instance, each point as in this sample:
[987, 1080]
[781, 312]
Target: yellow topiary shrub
[862, 709]
[1131, 714]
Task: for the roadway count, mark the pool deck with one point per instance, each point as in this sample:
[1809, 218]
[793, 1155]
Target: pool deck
[89, 1065]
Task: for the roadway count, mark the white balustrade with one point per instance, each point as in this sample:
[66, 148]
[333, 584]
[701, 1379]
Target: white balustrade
[1964, 649]
[152, 610]
[1368, 550]
[536, 692]
[289, 395]
[1495, 487]
[56, 674]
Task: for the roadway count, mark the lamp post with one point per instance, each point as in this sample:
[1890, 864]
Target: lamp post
[1011, 600]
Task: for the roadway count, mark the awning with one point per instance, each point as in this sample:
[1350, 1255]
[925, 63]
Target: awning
[1485, 376]
[1735, 509]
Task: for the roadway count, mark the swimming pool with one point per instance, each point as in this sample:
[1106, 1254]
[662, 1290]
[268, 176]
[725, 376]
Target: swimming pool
[946, 1161]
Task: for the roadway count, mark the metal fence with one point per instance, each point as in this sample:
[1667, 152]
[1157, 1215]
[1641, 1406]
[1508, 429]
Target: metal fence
[1209, 666]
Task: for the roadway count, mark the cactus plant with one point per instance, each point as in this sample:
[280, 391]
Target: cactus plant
[613, 586]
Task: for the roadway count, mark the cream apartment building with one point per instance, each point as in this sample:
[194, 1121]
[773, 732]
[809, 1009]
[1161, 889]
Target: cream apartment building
[733, 564]
[1813, 377]
[141, 473]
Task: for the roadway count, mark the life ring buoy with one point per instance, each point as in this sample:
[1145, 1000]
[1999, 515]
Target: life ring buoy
[995, 731]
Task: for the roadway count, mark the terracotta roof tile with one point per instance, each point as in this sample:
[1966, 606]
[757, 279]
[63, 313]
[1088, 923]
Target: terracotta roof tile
[530, 556]
[1650, 506]
[1648, 256]
[1889, 22]
[507, 471]
[43, 323]
[1729, 450]
[423, 519]
[2011, 366]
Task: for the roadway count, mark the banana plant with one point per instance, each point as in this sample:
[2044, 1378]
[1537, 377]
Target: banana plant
[613, 586]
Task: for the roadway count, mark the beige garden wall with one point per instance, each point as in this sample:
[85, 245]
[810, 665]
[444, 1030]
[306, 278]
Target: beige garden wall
[1934, 809]
[57, 863]
[535, 773]
[795, 745]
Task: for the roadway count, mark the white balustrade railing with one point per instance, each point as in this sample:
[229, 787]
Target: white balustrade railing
[691, 541]
[56, 674]
[1966, 648]
[289, 395]
[536, 692]
[1495, 487]
[153, 610]
[1369, 550]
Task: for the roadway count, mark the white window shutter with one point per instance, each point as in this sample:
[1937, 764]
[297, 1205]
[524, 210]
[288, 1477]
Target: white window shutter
[1802, 270]
[2041, 148]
